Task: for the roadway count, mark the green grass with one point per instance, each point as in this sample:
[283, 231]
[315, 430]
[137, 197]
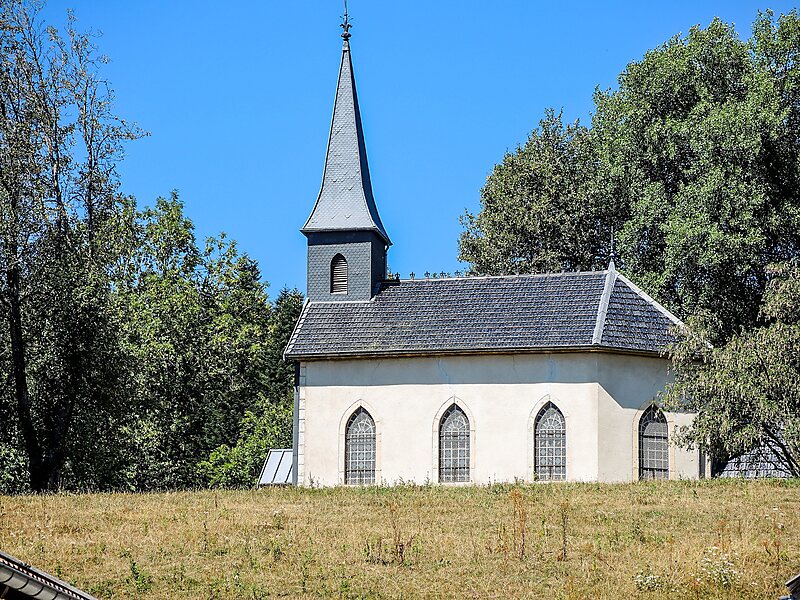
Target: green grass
[710, 539]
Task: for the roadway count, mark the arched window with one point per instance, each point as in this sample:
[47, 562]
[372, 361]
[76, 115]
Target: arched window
[653, 445]
[454, 446]
[338, 275]
[550, 444]
[359, 449]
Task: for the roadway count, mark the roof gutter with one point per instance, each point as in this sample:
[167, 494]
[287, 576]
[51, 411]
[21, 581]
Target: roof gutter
[475, 352]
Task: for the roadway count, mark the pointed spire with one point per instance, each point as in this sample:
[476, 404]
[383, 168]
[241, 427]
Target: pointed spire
[345, 202]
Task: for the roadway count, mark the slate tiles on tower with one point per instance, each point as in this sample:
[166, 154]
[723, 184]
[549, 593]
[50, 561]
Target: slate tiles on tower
[345, 201]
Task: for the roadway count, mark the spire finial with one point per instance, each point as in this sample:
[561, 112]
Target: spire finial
[345, 23]
[613, 257]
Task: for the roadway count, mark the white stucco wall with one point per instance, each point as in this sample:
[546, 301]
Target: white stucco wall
[601, 396]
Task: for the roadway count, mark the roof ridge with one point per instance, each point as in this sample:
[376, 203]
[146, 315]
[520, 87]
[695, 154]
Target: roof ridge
[602, 307]
[511, 276]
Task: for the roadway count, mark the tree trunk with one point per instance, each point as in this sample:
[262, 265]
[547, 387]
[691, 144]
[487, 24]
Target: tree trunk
[36, 466]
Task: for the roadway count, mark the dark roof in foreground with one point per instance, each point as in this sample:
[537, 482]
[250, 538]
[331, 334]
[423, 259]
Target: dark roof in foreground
[522, 313]
[21, 580]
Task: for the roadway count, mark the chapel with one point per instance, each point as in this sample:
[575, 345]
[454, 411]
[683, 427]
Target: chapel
[467, 379]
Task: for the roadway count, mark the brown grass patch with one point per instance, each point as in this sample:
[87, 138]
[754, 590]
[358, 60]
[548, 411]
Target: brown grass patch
[709, 539]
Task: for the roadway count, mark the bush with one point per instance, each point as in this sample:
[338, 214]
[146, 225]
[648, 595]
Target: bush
[14, 471]
[270, 426]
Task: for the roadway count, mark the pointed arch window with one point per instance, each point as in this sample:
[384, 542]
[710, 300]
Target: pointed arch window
[338, 275]
[454, 450]
[359, 449]
[653, 445]
[550, 444]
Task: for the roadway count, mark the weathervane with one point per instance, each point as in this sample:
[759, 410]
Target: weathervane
[345, 23]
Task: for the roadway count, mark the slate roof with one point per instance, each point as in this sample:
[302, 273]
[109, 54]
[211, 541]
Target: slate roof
[345, 201]
[586, 310]
[634, 321]
[758, 462]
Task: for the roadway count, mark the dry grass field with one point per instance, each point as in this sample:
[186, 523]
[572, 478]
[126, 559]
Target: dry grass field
[711, 539]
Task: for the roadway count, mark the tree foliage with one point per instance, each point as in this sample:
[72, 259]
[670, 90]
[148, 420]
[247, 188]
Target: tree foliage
[268, 424]
[538, 209]
[196, 327]
[129, 352]
[59, 142]
[691, 164]
[746, 393]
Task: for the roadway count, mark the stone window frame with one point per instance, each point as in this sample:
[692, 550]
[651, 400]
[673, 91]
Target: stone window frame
[437, 421]
[349, 412]
[563, 408]
[671, 473]
[549, 405]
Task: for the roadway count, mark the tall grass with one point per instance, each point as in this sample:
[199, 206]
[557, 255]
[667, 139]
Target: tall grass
[709, 539]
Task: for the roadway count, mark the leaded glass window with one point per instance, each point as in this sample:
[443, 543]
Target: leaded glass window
[454, 446]
[653, 445]
[550, 444]
[359, 449]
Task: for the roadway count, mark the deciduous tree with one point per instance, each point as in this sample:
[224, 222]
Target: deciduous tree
[691, 163]
[59, 142]
[746, 393]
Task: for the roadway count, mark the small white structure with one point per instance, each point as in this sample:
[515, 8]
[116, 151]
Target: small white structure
[467, 380]
[277, 469]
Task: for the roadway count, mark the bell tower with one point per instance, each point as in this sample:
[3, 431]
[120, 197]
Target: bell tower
[347, 243]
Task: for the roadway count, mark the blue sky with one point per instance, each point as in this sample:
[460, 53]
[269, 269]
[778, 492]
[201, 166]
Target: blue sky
[238, 102]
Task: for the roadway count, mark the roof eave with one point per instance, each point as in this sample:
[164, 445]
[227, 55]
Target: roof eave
[299, 357]
[375, 229]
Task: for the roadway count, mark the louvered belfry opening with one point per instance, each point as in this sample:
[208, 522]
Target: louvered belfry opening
[338, 275]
